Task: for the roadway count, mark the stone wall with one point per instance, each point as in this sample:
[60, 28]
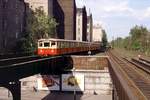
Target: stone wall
[89, 62]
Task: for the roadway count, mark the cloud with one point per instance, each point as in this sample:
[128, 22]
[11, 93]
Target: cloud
[118, 16]
[120, 7]
[107, 8]
[147, 13]
[114, 8]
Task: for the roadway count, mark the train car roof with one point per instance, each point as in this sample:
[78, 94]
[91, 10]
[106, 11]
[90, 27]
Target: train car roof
[53, 39]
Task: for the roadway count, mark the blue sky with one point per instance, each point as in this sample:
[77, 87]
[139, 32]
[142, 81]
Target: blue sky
[117, 17]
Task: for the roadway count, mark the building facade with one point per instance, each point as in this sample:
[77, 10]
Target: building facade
[45, 5]
[1, 14]
[81, 24]
[89, 28]
[12, 23]
[97, 33]
[65, 15]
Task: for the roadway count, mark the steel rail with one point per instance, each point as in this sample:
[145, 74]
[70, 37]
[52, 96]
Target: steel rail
[140, 64]
[145, 60]
[138, 80]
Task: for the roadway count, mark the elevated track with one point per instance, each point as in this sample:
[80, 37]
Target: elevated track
[138, 80]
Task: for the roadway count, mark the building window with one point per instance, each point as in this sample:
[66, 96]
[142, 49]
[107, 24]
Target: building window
[78, 38]
[78, 21]
[79, 30]
[88, 26]
[24, 83]
[16, 35]
[16, 6]
[5, 42]
[21, 27]
[4, 24]
[17, 19]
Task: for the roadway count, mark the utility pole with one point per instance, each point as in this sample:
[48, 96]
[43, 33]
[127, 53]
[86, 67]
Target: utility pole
[74, 93]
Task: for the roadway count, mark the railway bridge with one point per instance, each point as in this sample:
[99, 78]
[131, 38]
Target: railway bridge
[128, 83]
[14, 69]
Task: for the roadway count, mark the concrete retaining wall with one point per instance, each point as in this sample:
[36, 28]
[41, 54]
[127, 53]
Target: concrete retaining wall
[96, 75]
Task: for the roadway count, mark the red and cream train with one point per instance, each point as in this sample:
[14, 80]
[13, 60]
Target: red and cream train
[52, 46]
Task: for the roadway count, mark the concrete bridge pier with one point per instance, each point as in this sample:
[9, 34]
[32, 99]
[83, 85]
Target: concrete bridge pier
[14, 88]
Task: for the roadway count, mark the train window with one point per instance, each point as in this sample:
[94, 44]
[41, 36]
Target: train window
[58, 45]
[63, 44]
[72, 44]
[67, 44]
[53, 44]
[46, 44]
[40, 44]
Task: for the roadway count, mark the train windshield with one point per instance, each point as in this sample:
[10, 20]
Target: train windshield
[46, 44]
[40, 44]
[53, 44]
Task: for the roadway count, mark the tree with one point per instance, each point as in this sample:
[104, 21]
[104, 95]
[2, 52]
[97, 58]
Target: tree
[104, 39]
[138, 40]
[138, 37]
[39, 25]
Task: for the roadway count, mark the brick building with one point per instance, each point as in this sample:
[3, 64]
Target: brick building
[12, 20]
[65, 14]
[89, 28]
[81, 24]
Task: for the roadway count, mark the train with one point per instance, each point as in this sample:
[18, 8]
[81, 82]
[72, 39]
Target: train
[51, 46]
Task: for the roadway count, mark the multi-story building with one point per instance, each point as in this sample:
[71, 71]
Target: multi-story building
[65, 14]
[12, 23]
[89, 28]
[45, 5]
[81, 24]
[97, 33]
[1, 25]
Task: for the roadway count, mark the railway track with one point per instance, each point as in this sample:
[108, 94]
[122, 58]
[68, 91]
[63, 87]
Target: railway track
[141, 82]
[140, 64]
[145, 60]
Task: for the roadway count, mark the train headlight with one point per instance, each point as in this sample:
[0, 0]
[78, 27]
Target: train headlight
[52, 51]
[41, 51]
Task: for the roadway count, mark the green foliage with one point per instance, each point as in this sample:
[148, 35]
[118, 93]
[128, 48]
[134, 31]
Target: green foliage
[39, 25]
[138, 31]
[136, 45]
[104, 39]
[138, 40]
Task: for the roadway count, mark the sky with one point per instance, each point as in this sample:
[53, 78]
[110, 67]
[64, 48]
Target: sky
[117, 17]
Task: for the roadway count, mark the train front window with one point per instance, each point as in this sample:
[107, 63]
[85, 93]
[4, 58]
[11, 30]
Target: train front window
[40, 44]
[46, 44]
[53, 44]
